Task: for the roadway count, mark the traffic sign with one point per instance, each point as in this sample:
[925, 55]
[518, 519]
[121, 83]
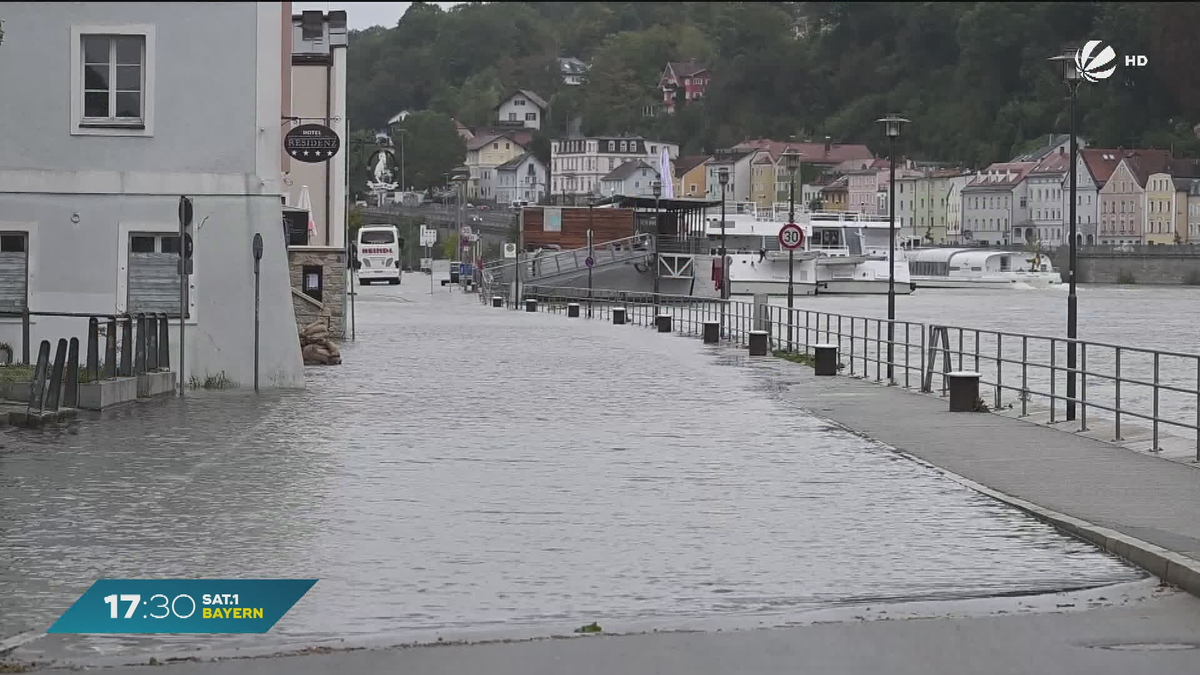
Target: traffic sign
[510, 250]
[589, 261]
[791, 237]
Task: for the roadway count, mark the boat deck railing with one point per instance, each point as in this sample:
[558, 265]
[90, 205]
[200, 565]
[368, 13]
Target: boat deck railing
[1024, 373]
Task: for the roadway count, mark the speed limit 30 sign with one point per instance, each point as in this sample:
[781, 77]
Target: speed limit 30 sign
[791, 237]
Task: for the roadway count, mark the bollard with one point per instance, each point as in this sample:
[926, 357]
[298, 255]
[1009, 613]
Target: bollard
[573, 310]
[139, 356]
[530, 305]
[164, 343]
[618, 314]
[826, 361]
[497, 301]
[964, 391]
[110, 349]
[712, 332]
[56, 373]
[663, 321]
[758, 342]
[71, 389]
[37, 387]
[93, 350]
[151, 343]
[127, 347]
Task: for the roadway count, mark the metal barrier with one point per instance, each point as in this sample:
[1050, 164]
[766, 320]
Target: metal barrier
[58, 382]
[1115, 382]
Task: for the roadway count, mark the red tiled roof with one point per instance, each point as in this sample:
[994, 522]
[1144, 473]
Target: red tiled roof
[814, 153]
[1001, 175]
[1101, 162]
[686, 68]
[687, 163]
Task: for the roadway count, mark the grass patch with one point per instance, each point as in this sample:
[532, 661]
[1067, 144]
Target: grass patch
[592, 627]
[1124, 277]
[16, 373]
[218, 381]
[795, 357]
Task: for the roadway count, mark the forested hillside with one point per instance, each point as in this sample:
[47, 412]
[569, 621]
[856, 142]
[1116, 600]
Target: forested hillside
[972, 76]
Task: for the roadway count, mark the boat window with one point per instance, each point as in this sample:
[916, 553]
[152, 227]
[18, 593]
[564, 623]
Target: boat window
[976, 269]
[955, 268]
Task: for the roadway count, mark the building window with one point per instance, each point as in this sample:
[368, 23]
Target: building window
[612, 146]
[512, 117]
[112, 78]
[531, 117]
[518, 101]
[153, 284]
[506, 146]
[495, 146]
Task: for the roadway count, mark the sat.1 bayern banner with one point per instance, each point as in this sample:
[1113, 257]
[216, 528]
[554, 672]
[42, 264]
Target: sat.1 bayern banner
[182, 606]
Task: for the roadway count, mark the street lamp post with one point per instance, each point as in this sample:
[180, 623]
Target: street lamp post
[791, 160]
[723, 179]
[1070, 75]
[403, 185]
[891, 128]
[656, 187]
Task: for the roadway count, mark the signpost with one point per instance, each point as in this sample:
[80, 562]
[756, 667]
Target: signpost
[791, 237]
[185, 268]
[589, 261]
[256, 248]
[428, 239]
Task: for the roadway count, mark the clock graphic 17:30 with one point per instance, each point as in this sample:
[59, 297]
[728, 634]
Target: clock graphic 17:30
[182, 606]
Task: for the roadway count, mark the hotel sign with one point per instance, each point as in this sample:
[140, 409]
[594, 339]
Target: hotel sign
[312, 143]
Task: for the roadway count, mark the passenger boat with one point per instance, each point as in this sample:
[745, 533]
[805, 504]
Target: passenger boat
[843, 253]
[981, 268]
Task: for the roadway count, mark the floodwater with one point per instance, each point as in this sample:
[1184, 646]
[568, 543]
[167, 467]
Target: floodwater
[470, 468]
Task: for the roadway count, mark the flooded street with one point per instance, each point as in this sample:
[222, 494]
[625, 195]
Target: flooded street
[470, 468]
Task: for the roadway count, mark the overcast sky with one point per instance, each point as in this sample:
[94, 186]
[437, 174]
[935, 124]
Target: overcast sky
[361, 15]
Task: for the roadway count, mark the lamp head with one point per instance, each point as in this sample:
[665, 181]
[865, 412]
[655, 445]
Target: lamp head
[791, 160]
[1068, 68]
[723, 176]
[891, 124]
[656, 186]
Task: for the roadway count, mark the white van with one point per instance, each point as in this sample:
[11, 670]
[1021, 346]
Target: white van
[378, 254]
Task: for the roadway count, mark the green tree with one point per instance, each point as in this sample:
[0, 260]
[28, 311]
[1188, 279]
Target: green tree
[432, 148]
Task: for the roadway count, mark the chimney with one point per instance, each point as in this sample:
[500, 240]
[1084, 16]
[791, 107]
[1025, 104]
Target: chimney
[1061, 151]
[828, 145]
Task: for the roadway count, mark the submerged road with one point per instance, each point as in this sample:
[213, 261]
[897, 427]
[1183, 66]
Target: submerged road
[472, 473]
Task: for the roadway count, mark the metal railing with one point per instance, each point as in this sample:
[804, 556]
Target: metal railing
[1115, 383]
[573, 261]
[141, 346]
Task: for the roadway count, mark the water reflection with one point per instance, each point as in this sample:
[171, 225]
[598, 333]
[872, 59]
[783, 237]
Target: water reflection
[469, 467]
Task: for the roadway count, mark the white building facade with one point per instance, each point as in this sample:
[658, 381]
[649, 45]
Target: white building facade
[632, 179]
[522, 108]
[129, 107]
[522, 178]
[577, 165]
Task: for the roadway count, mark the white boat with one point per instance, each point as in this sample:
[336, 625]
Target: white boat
[844, 253]
[981, 268]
